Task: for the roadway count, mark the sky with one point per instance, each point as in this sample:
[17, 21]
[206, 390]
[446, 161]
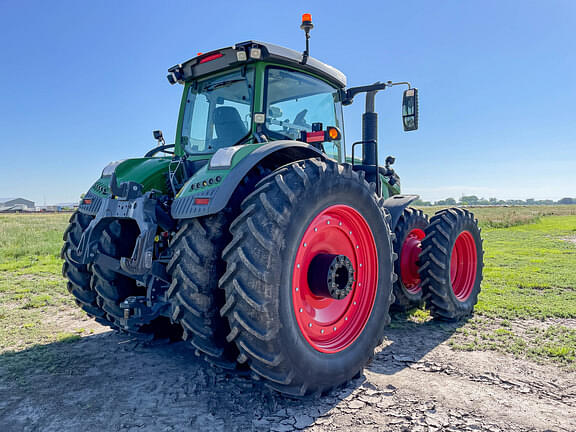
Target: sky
[83, 83]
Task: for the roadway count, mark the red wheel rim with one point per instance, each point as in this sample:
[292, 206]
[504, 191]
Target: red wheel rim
[331, 325]
[409, 253]
[463, 266]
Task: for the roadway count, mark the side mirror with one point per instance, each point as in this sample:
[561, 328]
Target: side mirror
[410, 109]
[274, 112]
[159, 137]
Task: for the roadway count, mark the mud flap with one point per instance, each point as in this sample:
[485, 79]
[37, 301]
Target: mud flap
[396, 205]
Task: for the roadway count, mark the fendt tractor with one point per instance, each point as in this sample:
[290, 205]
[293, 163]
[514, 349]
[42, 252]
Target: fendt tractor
[256, 238]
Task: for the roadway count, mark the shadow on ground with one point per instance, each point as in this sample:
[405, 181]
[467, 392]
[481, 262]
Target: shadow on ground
[111, 381]
[408, 342]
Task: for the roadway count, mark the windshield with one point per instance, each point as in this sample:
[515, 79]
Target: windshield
[218, 112]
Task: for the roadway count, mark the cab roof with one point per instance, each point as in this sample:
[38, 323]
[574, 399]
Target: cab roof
[250, 52]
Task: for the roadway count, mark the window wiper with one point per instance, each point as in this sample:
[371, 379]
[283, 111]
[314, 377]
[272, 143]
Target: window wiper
[220, 84]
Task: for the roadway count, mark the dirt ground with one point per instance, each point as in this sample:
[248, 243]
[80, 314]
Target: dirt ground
[112, 382]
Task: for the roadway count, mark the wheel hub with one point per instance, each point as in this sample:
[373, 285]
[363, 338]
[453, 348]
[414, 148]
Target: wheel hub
[331, 275]
[463, 263]
[411, 249]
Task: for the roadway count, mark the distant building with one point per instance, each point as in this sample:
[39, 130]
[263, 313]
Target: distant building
[67, 206]
[58, 207]
[16, 204]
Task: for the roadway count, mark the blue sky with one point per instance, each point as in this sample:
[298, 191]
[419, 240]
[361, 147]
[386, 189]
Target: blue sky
[83, 83]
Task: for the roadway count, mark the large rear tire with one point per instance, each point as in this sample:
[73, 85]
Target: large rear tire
[79, 275]
[407, 245]
[309, 277]
[195, 268]
[451, 264]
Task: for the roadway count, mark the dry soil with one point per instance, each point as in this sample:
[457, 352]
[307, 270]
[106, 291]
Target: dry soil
[112, 382]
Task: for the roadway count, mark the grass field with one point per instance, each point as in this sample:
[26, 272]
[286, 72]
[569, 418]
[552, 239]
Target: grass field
[527, 306]
[33, 293]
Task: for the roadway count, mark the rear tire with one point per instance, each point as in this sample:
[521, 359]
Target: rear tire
[410, 231]
[195, 268]
[264, 286]
[79, 275]
[451, 264]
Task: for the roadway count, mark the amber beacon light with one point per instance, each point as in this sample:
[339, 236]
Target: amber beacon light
[306, 26]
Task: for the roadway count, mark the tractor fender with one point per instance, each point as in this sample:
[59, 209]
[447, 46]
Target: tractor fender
[396, 205]
[273, 155]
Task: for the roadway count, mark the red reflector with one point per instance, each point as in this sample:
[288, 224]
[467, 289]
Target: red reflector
[211, 57]
[87, 201]
[315, 137]
[201, 201]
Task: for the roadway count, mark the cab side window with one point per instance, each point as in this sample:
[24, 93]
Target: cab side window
[294, 101]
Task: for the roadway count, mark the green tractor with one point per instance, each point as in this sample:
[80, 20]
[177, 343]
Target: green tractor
[256, 238]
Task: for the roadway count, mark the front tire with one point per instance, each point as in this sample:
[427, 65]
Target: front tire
[300, 339]
[451, 264]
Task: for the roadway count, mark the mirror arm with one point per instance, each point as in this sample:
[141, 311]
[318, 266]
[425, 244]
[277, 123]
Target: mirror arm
[348, 95]
[390, 84]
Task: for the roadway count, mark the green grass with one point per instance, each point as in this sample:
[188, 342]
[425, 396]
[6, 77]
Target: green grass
[506, 217]
[32, 290]
[31, 244]
[542, 343]
[529, 270]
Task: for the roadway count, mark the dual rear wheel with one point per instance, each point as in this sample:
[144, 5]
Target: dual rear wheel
[439, 262]
[308, 280]
[307, 273]
[451, 264]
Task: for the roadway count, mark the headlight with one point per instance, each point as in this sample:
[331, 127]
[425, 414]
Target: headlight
[111, 167]
[222, 159]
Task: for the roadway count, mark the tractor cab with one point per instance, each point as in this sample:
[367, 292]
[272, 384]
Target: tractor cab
[256, 92]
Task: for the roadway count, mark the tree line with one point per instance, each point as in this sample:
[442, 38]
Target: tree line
[473, 200]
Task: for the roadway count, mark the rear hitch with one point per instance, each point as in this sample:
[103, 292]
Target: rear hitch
[128, 202]
[137, 311]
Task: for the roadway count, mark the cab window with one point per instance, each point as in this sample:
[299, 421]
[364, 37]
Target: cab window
[218, 112]
[294, 101]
